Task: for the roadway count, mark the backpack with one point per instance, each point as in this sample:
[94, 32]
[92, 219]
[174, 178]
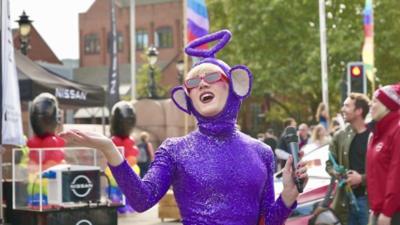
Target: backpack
[143, 153]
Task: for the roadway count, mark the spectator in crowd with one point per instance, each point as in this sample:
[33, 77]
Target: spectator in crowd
[349, 147]
[319, 136]
[304, 135]
[383, 157]
[146, 155]
[322, 115]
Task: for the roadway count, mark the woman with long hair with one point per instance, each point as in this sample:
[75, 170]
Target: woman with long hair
[319, 136]
[322, 115]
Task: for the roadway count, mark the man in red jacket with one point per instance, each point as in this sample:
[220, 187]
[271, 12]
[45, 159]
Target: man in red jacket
[383, 157]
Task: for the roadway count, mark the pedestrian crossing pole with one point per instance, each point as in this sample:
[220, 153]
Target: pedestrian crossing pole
[324, 61]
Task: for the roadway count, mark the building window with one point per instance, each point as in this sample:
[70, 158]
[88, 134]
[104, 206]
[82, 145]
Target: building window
[142, 39]
[120, 41]
[163, 37]
[92, 44]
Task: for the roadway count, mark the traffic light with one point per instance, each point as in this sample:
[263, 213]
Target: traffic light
[356, 80]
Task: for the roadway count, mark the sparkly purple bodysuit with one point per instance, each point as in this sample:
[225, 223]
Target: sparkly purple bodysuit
[219, 175]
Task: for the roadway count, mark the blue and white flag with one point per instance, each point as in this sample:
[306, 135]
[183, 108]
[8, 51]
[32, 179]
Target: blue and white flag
[198, 24]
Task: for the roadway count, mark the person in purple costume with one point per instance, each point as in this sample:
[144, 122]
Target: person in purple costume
[219, 175]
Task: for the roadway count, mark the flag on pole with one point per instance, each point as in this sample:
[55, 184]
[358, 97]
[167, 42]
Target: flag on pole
[113, 79]
[368, 48]
[10, 123]
[197, 20]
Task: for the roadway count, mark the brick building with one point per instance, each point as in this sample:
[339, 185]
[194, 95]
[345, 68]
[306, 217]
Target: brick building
[158, 22]
[38, 49]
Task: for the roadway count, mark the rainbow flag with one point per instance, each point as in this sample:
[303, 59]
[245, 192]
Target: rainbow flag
[197, 19]
[368, 48]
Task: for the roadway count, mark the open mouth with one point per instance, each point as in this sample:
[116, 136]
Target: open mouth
[206, 97]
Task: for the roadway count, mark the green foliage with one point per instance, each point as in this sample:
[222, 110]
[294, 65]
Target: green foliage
[387, 36]
[279, 41]
[142, 80]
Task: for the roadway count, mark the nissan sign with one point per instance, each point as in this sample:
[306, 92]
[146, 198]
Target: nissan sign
[81, 186]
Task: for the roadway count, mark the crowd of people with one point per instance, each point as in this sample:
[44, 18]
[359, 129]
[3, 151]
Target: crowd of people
[313, 136]
[366, 149]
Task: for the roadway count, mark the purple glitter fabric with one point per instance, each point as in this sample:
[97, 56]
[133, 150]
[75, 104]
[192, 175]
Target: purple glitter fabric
[218, 174]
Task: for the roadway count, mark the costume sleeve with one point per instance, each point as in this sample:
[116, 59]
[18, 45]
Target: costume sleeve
[275, 212]
[392, 193]
[144, 193]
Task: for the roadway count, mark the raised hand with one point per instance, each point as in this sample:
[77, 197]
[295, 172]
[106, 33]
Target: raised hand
[93, 140]
[290, 192]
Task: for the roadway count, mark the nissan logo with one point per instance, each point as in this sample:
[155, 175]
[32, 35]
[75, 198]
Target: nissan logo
[81, 186]
[83, 222]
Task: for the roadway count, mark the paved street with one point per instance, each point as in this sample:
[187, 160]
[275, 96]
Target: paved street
[150, 217]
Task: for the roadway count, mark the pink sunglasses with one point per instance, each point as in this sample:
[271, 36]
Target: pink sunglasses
[209, 78]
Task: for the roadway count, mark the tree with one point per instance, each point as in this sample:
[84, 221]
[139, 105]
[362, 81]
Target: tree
[279, 41]
[143, 81]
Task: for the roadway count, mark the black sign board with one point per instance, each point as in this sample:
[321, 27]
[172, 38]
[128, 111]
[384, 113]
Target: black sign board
[81, 186]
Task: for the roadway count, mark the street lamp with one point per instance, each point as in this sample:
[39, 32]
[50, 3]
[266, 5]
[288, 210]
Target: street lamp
[180, 66]
[152, 54]
[25, 25]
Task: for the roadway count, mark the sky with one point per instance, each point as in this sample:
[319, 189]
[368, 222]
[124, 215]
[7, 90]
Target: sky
[55, 20]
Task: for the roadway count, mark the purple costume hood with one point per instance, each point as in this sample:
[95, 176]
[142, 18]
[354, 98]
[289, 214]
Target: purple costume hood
[240, 81]
[219, 175]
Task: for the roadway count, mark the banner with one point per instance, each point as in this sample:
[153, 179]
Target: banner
[197, 20]
[113, 79]
[368, 48]
[11, 120]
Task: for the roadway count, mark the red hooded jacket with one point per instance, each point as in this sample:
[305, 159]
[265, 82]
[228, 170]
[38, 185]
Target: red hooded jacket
[383, 166]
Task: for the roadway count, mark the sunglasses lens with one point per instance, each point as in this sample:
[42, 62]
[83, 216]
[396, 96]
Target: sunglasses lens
[193, 82]
[212, 77]
[209, 78]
